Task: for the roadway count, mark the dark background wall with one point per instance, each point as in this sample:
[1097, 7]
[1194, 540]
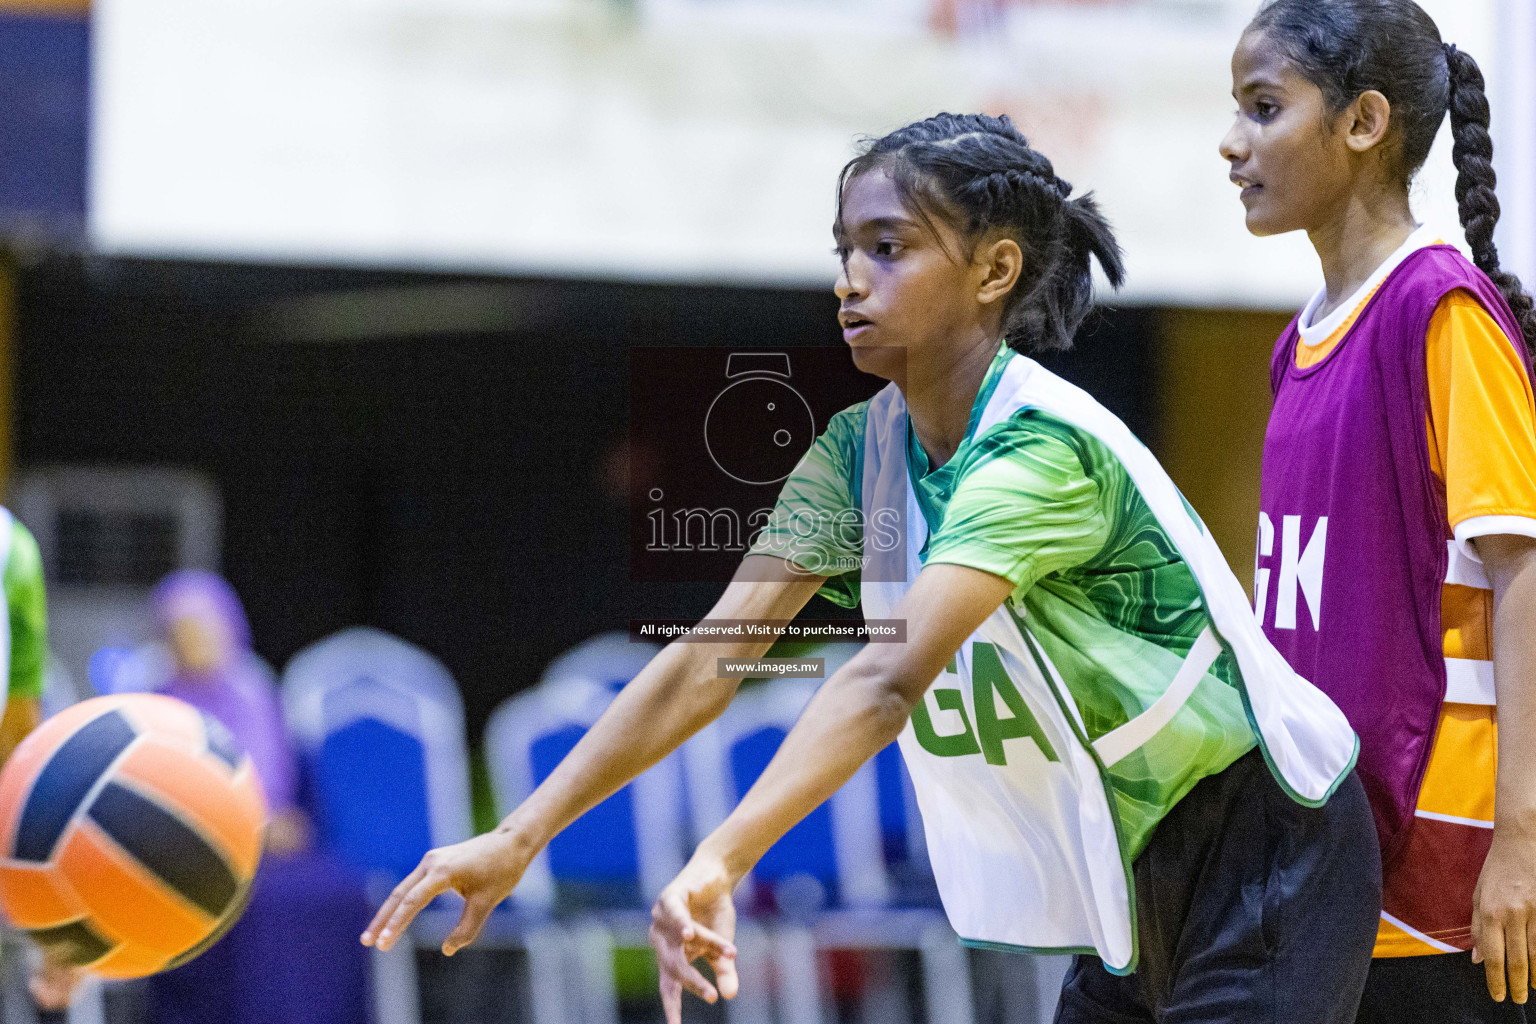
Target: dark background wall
[440, 457]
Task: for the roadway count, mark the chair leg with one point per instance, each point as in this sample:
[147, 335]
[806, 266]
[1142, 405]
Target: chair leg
[15, 964]
[799, 987]
[547, 969]
[885, 995]
[754, 969]
[396, 998]
[88, 1006]
[593, 988]
[1050, 975]
[946, 977]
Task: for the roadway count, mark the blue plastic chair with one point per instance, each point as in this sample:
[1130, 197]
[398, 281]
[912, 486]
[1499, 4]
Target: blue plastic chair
[139, 669]
[609, 659]
[621, 852]
[842, 845]
[603, 870]
[901, 832]
[380, 726]
[838, 845]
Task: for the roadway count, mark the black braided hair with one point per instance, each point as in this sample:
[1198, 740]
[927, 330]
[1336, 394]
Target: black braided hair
[1347, 47]
[1472, 153]
[978, 174]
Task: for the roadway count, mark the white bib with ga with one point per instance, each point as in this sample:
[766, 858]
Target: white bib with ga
[1027, 853]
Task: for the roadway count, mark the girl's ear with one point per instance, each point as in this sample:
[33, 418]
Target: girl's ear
[1366, 120]
[1000, 263]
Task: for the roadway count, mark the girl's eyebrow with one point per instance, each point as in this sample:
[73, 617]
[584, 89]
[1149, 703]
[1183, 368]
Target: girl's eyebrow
[1258, 81]
[883, 224]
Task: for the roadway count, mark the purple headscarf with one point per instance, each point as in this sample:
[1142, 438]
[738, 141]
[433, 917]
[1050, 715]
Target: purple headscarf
[238, 691]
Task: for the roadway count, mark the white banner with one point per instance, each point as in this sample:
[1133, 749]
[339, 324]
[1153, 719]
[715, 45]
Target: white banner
[686, 140]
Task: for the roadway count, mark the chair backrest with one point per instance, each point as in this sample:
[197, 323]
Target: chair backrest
[380, 727]
[140, 669]
[609, 659]
[838, 844]
[624, 850]
[901, 825]
[901, 831]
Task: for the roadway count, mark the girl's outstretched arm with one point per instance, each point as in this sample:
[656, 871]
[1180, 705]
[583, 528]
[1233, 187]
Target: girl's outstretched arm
[1504, 904]
[853, 716]
[675, 696]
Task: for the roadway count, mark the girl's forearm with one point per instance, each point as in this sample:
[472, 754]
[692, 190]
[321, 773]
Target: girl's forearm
[676, 695]
[853, 717]
[1511, 562]
[672, 698]
[860, 710]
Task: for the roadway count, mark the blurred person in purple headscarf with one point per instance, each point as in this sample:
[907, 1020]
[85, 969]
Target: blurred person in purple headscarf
[202, 623]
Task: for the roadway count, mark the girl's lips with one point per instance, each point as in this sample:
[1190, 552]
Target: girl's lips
[1250, 192]
[850, 333]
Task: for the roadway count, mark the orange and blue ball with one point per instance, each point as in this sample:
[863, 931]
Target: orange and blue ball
[131, 828]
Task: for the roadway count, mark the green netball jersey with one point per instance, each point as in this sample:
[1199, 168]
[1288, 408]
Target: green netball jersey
[1046, 506]
[27, 614]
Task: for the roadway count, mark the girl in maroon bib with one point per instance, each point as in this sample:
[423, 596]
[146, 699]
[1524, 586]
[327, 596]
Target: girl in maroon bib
[1366, 550]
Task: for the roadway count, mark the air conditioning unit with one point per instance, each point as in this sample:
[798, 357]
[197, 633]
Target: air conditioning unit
[108, 535]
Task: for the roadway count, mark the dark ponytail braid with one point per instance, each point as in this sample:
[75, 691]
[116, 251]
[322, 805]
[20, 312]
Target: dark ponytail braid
[979, 174]
[1347, 47]
[1472, 153]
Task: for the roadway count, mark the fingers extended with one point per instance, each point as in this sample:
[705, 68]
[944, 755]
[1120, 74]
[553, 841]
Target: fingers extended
[672, 961]
[672, 999]
[726, 980]
[1517, 961]
[371, 933]
[425, 891]
[470, 922]
[1530, 950]
[706, 942]
[1492, 948]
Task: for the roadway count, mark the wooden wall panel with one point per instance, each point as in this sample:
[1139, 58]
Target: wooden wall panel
[1213, 402]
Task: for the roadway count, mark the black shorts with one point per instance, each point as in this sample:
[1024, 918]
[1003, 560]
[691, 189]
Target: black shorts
[1250, 908]
[1444, 989]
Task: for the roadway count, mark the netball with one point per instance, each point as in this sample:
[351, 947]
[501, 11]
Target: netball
[131, 828]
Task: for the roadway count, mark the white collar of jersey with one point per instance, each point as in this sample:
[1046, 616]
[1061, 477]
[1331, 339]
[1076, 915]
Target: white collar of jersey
[1317, 333]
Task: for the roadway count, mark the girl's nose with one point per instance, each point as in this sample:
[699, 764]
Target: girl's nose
[1234, 146]
[848, 285]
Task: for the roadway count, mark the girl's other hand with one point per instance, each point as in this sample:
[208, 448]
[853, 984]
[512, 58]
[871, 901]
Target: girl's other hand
[694, 919]
[484, 870]
[1504, 902]
[1504, 914]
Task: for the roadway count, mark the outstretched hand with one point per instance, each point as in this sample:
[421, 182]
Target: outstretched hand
[694, 919]
[484, 870]
[1504, 916]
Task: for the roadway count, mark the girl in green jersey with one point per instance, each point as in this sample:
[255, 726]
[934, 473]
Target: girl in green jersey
[1109, 757]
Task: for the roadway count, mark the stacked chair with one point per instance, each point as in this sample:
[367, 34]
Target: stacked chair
[828, 884]
[599, 875]
[825, 886]
[380, 730]
[379, 724]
